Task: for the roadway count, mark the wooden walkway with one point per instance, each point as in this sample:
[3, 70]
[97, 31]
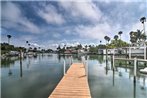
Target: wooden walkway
[74, 84]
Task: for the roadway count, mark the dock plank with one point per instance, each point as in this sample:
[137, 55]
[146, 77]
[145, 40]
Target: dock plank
[74, 84]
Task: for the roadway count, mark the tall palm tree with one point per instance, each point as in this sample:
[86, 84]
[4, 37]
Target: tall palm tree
[100, 41]
[27, 42]
[120, 33]
[143, 20]
[116, 37]
[107, 39]
[9, 36]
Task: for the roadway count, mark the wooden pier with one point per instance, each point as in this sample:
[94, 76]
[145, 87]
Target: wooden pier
[74, 84]
[131, 59]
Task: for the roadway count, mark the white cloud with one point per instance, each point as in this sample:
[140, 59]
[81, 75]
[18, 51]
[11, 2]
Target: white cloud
[87, 10]
[56, 35]
[50, 15]
[94, 32]
[35, 45]
[108, 1]
[138, 26]
[12, 17]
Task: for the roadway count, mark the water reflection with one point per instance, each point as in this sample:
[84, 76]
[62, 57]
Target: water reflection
[120, 80]
[8, 61]
[45, 71]
[10, 72]
[21, 67]
[134, 89]
[113, 80]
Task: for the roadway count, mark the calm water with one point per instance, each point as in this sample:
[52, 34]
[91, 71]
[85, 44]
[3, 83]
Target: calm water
[37, 77]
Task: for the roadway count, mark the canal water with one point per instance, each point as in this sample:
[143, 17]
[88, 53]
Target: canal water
[36, 77]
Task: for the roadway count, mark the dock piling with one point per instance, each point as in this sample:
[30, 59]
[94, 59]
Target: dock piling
[135, 68]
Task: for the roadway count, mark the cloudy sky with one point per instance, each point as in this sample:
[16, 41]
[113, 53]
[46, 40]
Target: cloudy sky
[49, 23]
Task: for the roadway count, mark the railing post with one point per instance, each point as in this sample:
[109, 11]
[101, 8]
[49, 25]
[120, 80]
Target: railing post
[129, 53]
[113, 61]
[144, 51]
[71, 59]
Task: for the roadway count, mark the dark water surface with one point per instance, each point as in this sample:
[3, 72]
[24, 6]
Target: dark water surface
[37, 77]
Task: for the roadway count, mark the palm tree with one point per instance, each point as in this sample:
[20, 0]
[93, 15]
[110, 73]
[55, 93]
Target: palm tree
[108, 39]
[100, 41]
[9, 36]
[119, 33]
[27, 42]
[116, 37]
[133, 37]
[143, 37]
[142, 20]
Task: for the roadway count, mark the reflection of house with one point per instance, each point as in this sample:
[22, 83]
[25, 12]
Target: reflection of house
[67, 52]
[32, 54]
[70, 51]
[81, 51]
[101, 51]
[13, 53]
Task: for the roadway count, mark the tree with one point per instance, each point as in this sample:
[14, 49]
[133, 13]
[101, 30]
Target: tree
[143, 20]
[100, 41]
[9, 36]
[79, 46]
[107, 38]
[58, 48]
[120, 33]
[116, 37]
[27, 42]
[137, 37]
[133, 37]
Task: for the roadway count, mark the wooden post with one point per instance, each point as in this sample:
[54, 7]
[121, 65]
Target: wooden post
[113, 61]
[129, 53]
[135, 68]
[21, 54]
[144, 51]
[71, 59]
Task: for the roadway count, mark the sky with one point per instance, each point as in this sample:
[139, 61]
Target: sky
[48, 24]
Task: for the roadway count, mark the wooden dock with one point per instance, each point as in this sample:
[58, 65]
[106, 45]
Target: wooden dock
[74, 84]
[131, 59]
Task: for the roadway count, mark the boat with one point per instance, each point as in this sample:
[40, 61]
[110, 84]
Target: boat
[144, 70]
